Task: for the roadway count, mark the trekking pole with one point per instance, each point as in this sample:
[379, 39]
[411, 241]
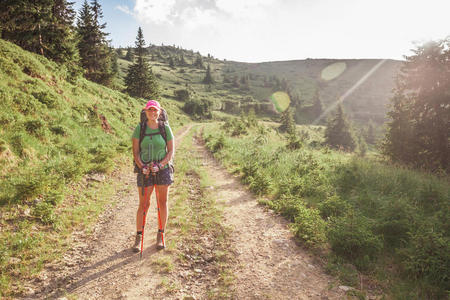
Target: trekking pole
[144, 194]
[160, 229]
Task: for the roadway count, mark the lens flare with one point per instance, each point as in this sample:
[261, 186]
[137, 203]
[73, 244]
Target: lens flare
[332, 71]
[280, 100]
[349, 92]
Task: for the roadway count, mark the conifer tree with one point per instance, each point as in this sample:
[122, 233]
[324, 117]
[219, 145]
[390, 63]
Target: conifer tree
[96, 56]
[419, 129]
[338, 133]
[208, 78]
[199, 62]
[317, 108]
[140, 81]
[41, 26]
[182, 61]
[129, 56]
[171, 62]
[287, 121]
[370, 135]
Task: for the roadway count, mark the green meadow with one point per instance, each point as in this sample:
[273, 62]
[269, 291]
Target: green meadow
[390, 222]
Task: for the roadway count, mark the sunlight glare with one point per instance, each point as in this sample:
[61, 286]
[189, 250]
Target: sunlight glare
[280, 100]
[332, 71]
[349, 91]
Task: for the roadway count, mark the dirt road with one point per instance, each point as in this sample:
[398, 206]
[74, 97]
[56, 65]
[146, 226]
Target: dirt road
[102, 265]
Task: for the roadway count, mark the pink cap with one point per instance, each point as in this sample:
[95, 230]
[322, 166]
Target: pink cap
[152, 103]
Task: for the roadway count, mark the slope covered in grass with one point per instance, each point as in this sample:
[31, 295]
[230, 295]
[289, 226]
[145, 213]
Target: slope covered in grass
[55, 129]
[238, 82]
[389, 221]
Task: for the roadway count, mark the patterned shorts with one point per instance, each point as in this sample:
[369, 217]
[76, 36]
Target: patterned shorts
[163, 177]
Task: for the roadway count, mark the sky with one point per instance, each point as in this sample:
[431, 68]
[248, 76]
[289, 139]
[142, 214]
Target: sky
[277, 30]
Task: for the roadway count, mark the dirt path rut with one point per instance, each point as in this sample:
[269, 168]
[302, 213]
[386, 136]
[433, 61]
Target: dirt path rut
[271, 265]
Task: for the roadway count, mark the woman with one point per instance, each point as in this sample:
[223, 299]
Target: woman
[152, 157]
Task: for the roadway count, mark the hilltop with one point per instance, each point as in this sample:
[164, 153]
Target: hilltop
[244, 83]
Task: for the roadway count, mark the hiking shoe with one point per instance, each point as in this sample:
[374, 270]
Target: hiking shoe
[137, 242]
[159, 241]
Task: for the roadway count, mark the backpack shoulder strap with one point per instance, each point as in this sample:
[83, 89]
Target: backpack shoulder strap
[162, 130]
[142, 133]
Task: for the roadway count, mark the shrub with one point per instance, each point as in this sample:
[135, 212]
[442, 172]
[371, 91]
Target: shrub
[18, 143]
[35, 127]
[182, 95]
[45, 212]
[102, 161]
[428, 256]
[239, 128]
[352, 238]
[47, 98]
[333, 206]
[199, 108]
[309, 226]
[259, 183]
[218, 144]
[293, 142]
[395, 221]
[59, 130]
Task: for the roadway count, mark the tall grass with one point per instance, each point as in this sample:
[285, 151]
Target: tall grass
[362, 209]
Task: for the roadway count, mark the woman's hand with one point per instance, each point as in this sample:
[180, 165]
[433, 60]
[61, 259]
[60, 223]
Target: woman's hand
[145, 170]
[155, 168]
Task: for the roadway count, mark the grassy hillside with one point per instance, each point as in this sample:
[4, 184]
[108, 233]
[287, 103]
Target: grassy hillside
[390, 222]
[306, 77]
[328, 79]
[54, 131]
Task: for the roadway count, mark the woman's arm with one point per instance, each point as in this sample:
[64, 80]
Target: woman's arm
[170, 153]
[137, 158]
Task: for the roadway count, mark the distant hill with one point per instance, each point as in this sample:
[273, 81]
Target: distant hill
[304, 77]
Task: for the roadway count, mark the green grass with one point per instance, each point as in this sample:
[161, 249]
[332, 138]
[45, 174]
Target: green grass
[51, 137]
[361, 209]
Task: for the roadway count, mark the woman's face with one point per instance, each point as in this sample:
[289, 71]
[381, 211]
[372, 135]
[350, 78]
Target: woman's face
[152, 113]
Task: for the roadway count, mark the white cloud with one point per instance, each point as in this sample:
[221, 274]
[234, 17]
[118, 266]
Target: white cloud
[256, 30]
[125, 9]
[156, 11]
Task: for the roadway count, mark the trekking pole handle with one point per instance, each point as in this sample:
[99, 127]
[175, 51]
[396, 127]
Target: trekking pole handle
[155, 168]
[145, 169]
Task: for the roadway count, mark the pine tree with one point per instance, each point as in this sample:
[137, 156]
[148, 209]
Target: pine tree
[199, 62]
[208, 78]
[41, 26]
[140, 81]
[338, 133]
[129, 56]
[370, 134]
[96, 56]
[419, 129]
[287, 121]
[171, 62]
[316, 108]
[182, 61]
